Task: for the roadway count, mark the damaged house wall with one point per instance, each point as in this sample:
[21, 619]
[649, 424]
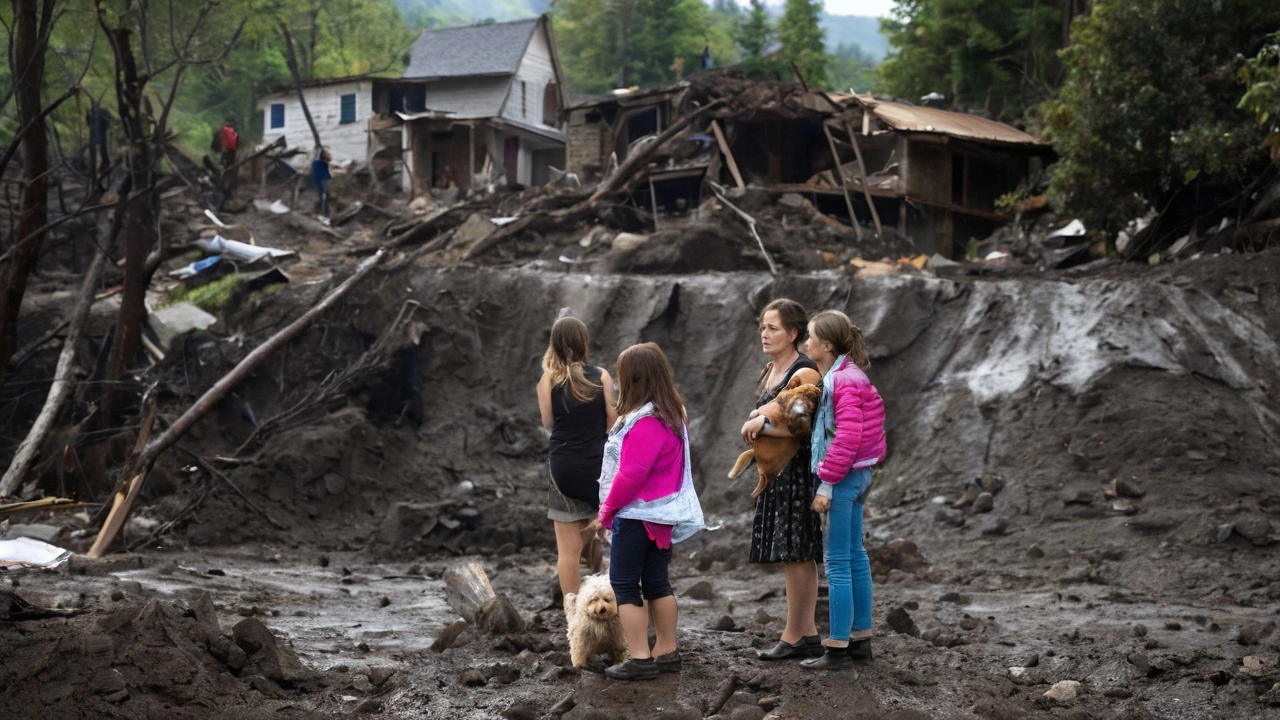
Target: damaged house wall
[933, 175]
[481, 100]
[341, 109]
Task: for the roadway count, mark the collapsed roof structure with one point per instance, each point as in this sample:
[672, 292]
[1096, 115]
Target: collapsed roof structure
[931, 174]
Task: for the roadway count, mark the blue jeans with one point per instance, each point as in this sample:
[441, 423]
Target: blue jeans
[637, 566]
[848, 567]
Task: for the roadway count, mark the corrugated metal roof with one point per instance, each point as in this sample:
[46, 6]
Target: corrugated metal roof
[493, 49]
[913, 118]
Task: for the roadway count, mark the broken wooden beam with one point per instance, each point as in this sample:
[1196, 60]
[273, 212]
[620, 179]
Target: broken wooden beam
[844, 185]
[862, 177]
[728, 155]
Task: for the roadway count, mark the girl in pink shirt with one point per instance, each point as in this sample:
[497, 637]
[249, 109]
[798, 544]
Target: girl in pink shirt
[642, 486]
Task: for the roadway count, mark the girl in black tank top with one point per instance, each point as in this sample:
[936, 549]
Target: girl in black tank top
[575, 401]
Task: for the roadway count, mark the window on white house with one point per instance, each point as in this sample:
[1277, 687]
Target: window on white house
[277, 115]
[348, 109]
[524, 99]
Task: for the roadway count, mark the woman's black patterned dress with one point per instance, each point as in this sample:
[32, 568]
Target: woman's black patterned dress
[786, 529]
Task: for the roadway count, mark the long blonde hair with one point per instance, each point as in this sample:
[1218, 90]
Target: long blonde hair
[565, 357]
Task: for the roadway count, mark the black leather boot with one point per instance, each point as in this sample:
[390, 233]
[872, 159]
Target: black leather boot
[860, 650]
[833, 659]
[807, 647]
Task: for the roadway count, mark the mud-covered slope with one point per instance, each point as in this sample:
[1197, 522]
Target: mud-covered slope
[1059, 385]
[1142, 373]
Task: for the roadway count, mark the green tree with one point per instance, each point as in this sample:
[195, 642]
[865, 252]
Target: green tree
[1261, 77]
[756, 31]
[851, 69]
[1150, 103]
[997, 55]
[802, 40]
[585, 36]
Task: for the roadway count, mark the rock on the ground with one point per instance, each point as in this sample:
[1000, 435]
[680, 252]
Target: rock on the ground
[471, 677]
[271, 657]
[747, 712]
[380, 675]
[449, 635]
[984, 503]
[946, 517]
[499, 616]
[724, 623]
[899, 620]
[996, 525]
[1252, 633]
[898, 554]
[1063, 691]
[701, 590]
[521, 710]
[1255, 528]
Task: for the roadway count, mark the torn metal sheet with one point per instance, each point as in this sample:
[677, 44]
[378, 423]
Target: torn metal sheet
[240, 251]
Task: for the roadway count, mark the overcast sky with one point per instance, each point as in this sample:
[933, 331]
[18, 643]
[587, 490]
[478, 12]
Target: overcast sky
[878, 8]
[859, 7]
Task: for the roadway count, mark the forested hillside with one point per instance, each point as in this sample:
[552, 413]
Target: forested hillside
[445, 13]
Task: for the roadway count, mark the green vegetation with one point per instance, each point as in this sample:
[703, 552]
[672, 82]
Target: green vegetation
[334, 38]
[998, 56]
[852, 69]
[802, 41]
[1151, 104]
[1261, 77]
[211, 297]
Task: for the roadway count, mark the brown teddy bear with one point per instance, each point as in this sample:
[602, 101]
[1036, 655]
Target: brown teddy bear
[793, 409]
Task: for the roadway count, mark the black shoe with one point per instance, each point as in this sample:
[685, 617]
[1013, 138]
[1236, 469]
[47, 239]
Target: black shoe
[833, 659]
[860, 650]
[635, 669]
[808, 647]
[669, 663]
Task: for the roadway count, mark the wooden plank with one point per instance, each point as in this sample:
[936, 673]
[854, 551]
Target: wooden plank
[844, 187]
[120, 504]
[653, 202]
[862, 177]
[728, 155]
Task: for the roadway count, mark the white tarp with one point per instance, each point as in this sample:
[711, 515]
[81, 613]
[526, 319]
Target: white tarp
[26, 552]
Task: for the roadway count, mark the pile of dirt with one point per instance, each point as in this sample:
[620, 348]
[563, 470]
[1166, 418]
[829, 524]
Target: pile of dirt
[137, 657]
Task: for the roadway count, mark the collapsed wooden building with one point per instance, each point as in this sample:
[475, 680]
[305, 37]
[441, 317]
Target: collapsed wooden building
[933, 175]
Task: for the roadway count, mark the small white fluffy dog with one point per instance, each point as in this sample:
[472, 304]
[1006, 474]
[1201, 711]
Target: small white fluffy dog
[594, 627]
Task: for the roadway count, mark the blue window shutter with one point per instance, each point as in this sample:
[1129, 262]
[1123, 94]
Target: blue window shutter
[277, 115]
[348, 109]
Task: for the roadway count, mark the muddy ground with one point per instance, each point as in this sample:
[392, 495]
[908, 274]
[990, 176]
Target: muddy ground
[1122, 418]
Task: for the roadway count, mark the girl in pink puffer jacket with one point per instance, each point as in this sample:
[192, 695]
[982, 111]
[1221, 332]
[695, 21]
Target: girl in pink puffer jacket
[848, 439]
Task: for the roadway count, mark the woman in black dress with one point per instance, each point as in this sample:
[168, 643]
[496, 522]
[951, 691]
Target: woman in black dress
[786, 529]
[577, 406]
